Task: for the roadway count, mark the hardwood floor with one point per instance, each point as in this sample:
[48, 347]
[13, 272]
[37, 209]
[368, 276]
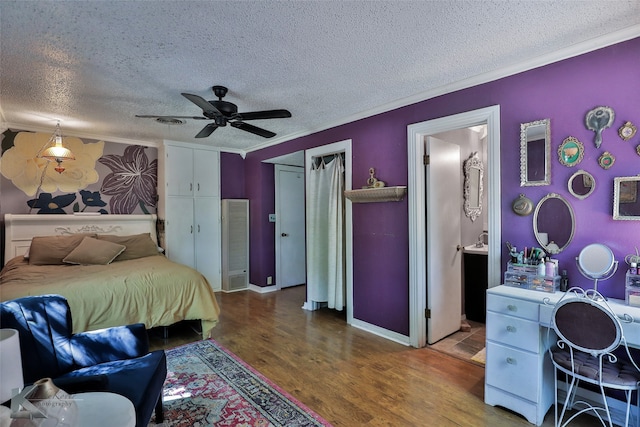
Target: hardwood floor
[349, 376]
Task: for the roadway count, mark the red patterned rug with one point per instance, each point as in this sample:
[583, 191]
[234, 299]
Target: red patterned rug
[207, 385]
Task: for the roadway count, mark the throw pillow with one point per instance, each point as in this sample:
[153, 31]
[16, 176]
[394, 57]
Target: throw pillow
[94, 252]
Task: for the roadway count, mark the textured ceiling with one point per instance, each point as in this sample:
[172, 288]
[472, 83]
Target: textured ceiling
[94, 65]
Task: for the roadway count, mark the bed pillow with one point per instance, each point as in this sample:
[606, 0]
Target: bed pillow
[138, 245]
[48, 250]
[94, 252]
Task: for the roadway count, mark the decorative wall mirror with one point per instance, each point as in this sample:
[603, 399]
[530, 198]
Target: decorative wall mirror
[571, 151]
[473, 175]
[581, 184]
[535, 148]
[626, 203]
[553, 223]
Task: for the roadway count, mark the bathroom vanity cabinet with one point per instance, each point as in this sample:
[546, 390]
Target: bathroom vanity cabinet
[475, 285]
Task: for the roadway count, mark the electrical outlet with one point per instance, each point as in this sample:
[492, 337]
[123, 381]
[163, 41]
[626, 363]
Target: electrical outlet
[272, 217]
[269, 280]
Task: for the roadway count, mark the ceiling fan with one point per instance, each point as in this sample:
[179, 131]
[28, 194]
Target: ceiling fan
[223, 112]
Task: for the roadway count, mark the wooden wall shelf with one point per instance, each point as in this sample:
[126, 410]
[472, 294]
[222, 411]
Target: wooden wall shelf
[372, 195]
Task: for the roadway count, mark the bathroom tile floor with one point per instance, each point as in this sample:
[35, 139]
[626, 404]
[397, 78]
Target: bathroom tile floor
[463, 345]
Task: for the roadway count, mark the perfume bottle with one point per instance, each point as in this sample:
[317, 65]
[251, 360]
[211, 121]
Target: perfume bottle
[564, 281]
[633, 268]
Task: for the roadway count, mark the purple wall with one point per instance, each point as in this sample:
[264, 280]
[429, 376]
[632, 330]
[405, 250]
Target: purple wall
[563, 92]
[232, 176]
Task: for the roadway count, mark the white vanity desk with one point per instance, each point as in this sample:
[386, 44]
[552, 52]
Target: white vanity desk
[519, 373]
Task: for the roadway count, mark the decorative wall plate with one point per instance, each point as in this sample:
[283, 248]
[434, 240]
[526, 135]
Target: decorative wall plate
[571, 151]
[627, 131]
[598, 120]
[638, 149]
[606, 160]
[522, 206]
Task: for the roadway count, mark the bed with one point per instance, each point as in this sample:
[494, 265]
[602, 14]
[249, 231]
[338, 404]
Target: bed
[108, 267]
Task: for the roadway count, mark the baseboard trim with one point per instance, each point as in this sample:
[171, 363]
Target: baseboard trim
[262, 289]
[381, 332]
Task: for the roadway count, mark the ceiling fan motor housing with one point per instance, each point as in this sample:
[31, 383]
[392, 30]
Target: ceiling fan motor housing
[226, 108]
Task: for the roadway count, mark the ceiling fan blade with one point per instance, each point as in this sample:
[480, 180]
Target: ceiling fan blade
[253, 129]
[267, 114]
[207, 130]
[202, 103]
[171, 117]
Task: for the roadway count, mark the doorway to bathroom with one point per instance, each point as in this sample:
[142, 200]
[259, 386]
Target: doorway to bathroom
[420, 287]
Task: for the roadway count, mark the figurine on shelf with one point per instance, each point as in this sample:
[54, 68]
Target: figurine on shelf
[373, 182]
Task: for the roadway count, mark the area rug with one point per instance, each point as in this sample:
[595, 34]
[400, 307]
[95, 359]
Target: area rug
[207, 385]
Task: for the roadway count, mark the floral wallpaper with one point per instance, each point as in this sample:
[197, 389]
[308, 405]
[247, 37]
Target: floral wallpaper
[105, 177]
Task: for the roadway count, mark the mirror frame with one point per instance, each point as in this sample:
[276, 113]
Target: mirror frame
[524, 164]
[618, 198]
[571, 143]
[473, 162]
[584, 175]
[545, 246]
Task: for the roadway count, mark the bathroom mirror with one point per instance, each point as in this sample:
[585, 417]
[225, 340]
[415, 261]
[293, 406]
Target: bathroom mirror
[626, 203]
[473, 174]
[581, 184]
[596, 262]
[535, 149]
[553, 223]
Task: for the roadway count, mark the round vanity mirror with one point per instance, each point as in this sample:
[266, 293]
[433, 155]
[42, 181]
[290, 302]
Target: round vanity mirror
[596, 262]
[581, 184]
[553, 223]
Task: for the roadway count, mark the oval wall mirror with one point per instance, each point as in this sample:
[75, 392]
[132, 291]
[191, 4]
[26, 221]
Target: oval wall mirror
[553, 223]
[535, 148]
[626, 203]
[581, 184]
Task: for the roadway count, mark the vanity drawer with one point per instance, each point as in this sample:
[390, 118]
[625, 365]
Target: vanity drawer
[513, 370]
[513, 307]
[513, 331]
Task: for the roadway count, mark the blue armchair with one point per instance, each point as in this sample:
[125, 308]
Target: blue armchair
[114, 360]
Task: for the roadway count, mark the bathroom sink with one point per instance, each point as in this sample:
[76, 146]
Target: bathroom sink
[473, 249]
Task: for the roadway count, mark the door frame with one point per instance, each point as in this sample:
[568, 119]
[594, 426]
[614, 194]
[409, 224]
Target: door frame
[325, 150]
[277, 169]
[417, 212]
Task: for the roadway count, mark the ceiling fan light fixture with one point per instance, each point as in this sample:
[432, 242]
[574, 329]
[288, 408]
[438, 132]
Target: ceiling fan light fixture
[222, 112]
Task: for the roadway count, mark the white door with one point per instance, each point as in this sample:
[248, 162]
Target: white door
[180, 231]
[207, 239]
[179, 170]
[443, 199]
[290, 226]
[206, 167]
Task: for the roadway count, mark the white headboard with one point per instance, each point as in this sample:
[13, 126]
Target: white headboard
[20, 229]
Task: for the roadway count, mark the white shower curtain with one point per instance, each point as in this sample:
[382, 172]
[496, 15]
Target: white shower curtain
[325, 234]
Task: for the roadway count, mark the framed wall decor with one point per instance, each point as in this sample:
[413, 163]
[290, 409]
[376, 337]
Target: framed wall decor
[606, 160]
[571, 151]
[627, 131]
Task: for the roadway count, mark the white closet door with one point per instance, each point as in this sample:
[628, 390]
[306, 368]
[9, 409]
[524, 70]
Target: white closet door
[179, 171]
[207, 239]
[179, 230]
[205, 173]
